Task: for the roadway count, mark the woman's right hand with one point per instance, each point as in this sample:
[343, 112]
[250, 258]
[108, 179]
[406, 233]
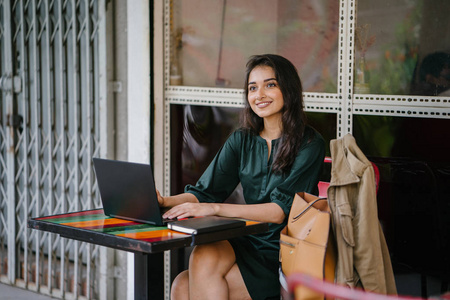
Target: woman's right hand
[160, 198]
[171, 201]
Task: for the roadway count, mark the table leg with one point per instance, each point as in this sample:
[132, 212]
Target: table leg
[177, 262]
[148, 276]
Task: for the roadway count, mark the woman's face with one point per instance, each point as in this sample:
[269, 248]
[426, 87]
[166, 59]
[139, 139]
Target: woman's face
[264, 94]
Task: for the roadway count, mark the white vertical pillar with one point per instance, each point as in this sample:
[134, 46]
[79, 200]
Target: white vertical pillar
[349, 15]
[138, 90]
[138, 96]
[161, 113]
[106, 111]
[158, 94]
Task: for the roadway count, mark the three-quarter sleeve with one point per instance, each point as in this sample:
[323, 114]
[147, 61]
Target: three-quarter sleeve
[304, 174]
[222, 175]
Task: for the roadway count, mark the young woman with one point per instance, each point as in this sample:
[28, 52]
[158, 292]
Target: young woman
[273, 155]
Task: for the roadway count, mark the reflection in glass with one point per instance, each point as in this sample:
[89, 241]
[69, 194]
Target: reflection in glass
[393, 39]
[325, 124]
[197, 133]
[212, 40]
[410, 138]
[434, 75]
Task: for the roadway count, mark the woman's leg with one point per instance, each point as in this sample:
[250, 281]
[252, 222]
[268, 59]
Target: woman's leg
[213, 274]
[208, 266]
[180, 287]
[236, 285]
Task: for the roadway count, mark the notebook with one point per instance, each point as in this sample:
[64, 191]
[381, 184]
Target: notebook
[205, 224]
[127, 191]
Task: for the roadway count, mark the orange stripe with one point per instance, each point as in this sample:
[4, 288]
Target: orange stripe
[248, 223]
[152, 234]
[100, 222]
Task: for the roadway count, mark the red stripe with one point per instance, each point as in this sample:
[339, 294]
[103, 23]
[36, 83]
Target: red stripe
[159, 239]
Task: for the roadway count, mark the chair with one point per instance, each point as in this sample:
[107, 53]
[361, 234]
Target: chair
[331, 290]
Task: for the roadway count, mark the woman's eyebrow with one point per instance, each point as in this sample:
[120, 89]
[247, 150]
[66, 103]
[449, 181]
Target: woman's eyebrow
[265, 80]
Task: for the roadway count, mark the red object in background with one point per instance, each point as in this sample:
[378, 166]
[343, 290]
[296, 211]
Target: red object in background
[323, 186]
[340, 292]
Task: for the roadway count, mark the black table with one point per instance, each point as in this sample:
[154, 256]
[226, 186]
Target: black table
[146, 241]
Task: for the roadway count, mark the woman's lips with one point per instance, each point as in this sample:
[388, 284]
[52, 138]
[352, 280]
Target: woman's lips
[263, 104]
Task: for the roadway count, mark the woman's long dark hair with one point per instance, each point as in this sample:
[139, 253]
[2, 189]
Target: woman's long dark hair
[293, 116]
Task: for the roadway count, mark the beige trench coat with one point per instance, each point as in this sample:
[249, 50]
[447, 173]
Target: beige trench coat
[363, 256]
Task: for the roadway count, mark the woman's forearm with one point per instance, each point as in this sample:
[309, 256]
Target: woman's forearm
[184, 206]
[265, 212]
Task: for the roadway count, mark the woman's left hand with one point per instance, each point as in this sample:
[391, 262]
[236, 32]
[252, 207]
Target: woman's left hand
[186, 210]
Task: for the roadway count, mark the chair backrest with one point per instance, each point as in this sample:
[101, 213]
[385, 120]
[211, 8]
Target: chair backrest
[323, 185]
[332, 290]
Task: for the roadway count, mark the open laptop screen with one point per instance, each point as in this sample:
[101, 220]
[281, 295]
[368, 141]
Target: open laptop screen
[128, 191]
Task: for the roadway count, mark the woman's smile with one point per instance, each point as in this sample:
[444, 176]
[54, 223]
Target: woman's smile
[263, 104]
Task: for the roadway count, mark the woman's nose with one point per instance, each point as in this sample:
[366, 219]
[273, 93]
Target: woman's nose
[260, 94]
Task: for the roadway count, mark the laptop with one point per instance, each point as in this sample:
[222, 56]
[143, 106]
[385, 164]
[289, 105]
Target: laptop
[127, 191]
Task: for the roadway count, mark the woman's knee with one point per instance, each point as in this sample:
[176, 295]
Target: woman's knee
[180, 287]
[203, 253]
[211, 255]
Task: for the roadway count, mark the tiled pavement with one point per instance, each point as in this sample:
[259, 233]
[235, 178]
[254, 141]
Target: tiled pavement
[8, 292]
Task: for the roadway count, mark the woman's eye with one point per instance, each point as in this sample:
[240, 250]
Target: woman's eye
[271, 84]
[251, 88]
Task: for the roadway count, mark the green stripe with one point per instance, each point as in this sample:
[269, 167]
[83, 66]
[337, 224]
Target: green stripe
[78, 219]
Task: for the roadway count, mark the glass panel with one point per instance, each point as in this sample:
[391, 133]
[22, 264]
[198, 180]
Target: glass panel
[402, 47]
[212, 42]
[325, 123]
[197, 133]
[414, 193]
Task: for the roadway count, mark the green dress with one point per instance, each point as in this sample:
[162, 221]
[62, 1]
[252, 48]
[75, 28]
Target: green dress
[243, 159]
